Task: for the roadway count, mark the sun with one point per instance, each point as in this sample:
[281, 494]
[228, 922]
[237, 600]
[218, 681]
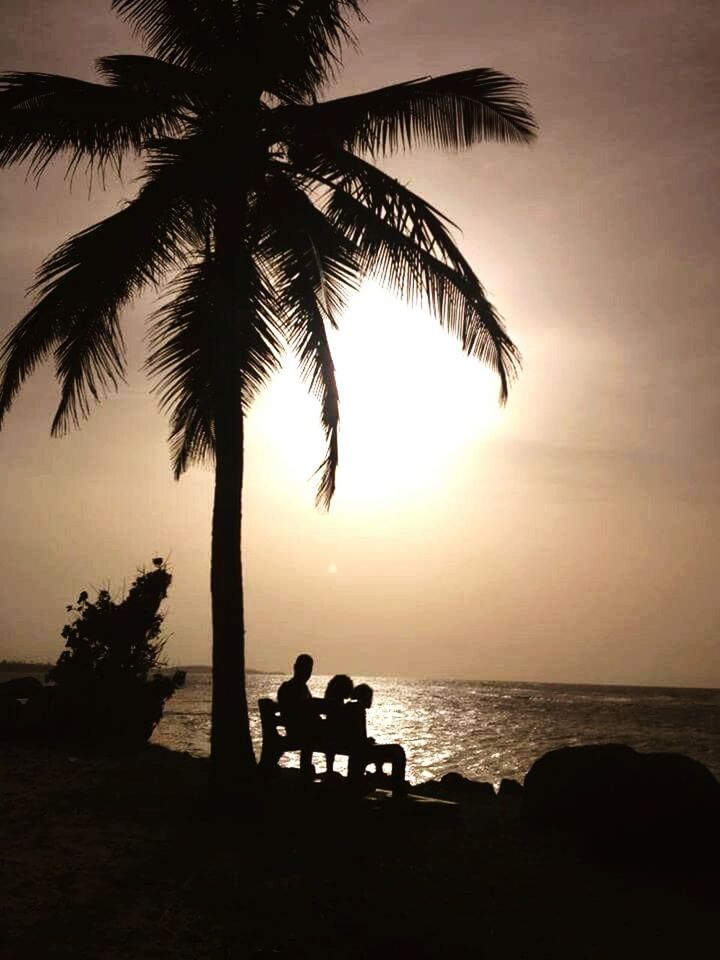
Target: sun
[411, 404]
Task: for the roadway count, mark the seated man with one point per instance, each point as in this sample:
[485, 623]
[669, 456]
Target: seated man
[298, 709]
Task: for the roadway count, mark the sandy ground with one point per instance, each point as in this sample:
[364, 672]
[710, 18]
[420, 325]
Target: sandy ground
[124, 858]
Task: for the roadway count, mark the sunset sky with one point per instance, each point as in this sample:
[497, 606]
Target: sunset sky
[573, 535]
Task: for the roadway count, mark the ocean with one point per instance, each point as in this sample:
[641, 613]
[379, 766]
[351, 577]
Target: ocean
[484, 730]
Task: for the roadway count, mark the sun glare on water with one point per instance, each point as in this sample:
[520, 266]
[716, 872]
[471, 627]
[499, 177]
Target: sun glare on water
[411, 403]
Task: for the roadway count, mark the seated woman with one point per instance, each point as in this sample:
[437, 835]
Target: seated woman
[338, 690]
[364, 749]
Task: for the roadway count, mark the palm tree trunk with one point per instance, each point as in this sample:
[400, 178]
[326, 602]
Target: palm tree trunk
[232, 760]
[231, 752]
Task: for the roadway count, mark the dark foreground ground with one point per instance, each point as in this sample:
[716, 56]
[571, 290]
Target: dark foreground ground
[121, 858]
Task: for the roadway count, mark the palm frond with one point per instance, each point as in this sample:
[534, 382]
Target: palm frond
[314, 269]
[104, 267]
[83, 285]
[43, 115]
[26, 346]
[181, 359]
[182, 85]
[269, 240]
[184, 348]
[191, 33]
[405, 244]
[303, 41]
[261, 339]
[454, 111]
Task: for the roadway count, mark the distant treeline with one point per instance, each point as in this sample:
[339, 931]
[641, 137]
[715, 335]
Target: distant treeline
[13, 666]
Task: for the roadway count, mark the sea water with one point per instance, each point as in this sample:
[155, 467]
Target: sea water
[484, 730]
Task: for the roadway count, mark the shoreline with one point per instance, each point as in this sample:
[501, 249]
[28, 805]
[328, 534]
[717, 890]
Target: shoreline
[122, 857]
[511, 725]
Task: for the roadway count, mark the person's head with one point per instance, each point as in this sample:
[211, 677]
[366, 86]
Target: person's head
[363, 694]
[303, 667]
[339, 689]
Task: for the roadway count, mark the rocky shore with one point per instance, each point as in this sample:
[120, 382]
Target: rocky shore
[126, 857]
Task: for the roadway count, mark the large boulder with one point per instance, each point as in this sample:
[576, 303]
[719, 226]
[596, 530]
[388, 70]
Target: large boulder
[19, 688]
[12, 713]
[509, 789]
[121, 715]
[614, 793]
[15, 695]
[454, 786]
[114, 715]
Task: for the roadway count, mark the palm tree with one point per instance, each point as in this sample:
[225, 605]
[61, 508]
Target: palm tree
[261, 208]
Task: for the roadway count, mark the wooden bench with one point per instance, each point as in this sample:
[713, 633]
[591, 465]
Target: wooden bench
[275, 744]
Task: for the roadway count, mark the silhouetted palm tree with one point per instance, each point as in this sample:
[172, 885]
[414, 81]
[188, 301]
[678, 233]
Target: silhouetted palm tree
[260, 204]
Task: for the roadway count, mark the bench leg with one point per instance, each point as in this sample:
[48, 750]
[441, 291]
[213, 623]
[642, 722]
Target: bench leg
[306, 764]
[356, 770]
[269, 757]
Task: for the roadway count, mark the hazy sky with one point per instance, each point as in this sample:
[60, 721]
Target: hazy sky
[573, 536]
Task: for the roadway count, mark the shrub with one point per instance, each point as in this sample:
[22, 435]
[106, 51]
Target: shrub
[102, 690]
[111, 642]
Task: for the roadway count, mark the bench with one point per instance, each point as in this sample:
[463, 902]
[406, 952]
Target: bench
[275, 744]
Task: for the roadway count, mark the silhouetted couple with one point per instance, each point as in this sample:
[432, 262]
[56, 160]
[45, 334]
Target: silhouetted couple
[344, 729]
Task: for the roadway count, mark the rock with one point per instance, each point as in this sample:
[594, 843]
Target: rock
[456, 784]
[574, 783]
[121, 715]
[19, 688]
[611, 792]
[12, 713]
[510, 788]
[39, 709]
[453, 786]
[453, 780]
[16, 712]
[676, 785]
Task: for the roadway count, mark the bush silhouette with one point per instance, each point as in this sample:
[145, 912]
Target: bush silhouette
[111, 642]
[102, 686]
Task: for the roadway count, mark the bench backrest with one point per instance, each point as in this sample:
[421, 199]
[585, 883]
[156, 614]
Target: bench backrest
[270, 718]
